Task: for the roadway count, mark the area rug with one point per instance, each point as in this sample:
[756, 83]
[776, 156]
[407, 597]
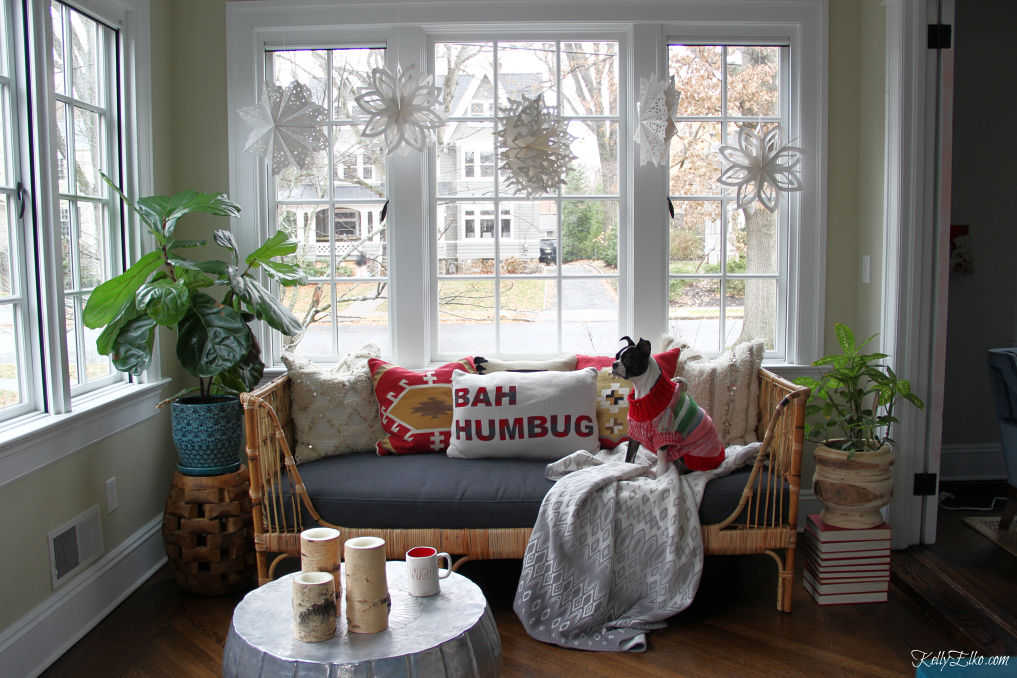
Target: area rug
[988, 527]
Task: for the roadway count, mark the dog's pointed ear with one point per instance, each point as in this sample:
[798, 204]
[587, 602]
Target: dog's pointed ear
[628, 340]
[643, 346]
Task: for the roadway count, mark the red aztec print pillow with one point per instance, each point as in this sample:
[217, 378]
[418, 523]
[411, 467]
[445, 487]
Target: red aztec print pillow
[415, 407]
[612, 394]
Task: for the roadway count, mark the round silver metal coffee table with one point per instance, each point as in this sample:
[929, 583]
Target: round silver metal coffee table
[450, 634]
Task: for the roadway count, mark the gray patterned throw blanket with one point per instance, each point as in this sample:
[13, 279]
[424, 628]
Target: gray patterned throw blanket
[616, 549]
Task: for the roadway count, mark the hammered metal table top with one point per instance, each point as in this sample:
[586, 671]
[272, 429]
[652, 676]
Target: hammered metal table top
[454, 628]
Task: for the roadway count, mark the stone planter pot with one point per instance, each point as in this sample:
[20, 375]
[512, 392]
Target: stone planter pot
[208, 433]
[853, 490]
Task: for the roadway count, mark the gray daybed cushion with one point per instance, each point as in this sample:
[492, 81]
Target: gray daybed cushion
[434, 491]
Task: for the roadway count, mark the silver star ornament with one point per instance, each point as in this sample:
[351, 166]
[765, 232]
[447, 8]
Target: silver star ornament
[761, 167]
[286, 126]
[535, 146]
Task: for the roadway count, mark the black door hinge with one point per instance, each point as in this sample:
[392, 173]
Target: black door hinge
[939, 36]
[925, 484]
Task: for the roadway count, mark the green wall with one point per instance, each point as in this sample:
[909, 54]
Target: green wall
[191, 151]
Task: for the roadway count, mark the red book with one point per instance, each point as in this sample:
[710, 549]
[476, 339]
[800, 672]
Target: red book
[869, 548]
[828, 588]
[827, 533]
[845, 577]
[847, 558]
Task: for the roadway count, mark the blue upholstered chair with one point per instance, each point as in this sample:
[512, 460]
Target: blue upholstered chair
[1003, 379]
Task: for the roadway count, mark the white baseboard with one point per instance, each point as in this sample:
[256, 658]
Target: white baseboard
[32, 643]
[972, 461]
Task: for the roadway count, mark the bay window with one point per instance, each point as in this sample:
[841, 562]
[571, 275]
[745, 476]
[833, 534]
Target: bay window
[465, 264]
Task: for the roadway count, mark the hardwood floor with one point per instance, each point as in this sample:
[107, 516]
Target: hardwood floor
[732, 629]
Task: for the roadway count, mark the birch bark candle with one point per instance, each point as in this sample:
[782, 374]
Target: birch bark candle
[314, 607]
[319, 552]
[367, 599]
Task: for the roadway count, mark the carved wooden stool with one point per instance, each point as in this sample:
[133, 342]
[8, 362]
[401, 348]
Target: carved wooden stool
[208, 534]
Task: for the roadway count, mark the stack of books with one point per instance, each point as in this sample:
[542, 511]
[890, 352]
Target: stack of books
[844, 565]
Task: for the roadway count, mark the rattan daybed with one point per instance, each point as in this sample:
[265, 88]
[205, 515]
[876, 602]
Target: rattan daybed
[763, 521]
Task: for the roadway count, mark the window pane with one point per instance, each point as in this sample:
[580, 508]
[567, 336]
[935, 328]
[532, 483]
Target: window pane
[467, 150]
[56, 11]
[751, 311]
[63, 150]
[753, 88]
[11, 391]
[352, 156]
[466, 311]
[71, 321]
[310, 183]
[530, 246]
[465, 73]
[96, 366]
[351, 70]
[92, 241]
[694, 312]
[595, 169]
[589, 237]
[6, 262]
[752, 240]
[590, 309]
[87, 151]
[529, 316]
[308, 67]
[84, 58]
[695, 161]
[526, 68]
[68, 245]
[697, 74]
[589, 78]
[695, 237]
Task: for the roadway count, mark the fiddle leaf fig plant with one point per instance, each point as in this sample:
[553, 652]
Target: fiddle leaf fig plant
[852, 404]
[214, 341]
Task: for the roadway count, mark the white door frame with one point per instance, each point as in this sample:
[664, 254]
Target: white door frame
[916, 247]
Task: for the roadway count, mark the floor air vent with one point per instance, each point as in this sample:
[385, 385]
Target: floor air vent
[75, 545]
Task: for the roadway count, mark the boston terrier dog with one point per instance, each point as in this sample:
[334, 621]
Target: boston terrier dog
[662, 415]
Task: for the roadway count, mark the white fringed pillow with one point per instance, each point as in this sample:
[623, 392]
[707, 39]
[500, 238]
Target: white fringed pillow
[525, 415]
[334, 411]
[727, 387]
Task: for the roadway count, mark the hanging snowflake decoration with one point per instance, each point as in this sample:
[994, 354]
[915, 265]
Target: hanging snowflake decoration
[534, 144]
[658, 110]
[286, 126]
[403, 106]
[761, 166]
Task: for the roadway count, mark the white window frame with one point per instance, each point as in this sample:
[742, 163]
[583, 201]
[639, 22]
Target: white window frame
[59, 424]
[407, 28]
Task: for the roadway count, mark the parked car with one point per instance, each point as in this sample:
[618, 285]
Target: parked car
[548, 251]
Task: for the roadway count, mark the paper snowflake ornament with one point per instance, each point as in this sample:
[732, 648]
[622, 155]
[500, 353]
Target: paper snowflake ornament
[286, 126]
[760, 166]
[658, 110]
[403, 107]
[535, 146]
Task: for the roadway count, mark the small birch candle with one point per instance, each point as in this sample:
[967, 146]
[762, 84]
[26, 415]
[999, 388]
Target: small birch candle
[314, 606]
[367, 599]
[319, 552]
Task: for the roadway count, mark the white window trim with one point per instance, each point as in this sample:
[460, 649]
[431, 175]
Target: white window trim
[251, 26]
[67, 425]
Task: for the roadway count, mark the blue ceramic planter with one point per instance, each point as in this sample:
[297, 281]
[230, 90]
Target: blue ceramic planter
[209, 434]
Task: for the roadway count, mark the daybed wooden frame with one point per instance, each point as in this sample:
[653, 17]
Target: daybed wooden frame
[765, 520]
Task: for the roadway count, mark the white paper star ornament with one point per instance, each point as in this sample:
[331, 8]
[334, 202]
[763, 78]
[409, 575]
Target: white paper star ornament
[760, 166]
[535, 146]
[403, 107]
[658, 112]
[286, 126]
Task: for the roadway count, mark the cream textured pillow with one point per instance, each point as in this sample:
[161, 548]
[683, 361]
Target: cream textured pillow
[526, 415]
[727, 387]
[334, 411]
[565, 363]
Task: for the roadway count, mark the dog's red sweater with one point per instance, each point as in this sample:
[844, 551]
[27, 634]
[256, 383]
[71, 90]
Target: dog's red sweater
[666, 417]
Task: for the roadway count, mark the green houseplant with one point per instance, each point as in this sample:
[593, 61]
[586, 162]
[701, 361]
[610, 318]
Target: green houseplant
[214, 339]
[850, 414]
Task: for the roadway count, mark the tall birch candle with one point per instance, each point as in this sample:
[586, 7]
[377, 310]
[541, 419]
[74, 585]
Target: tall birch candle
[319, 552]
[367, 599]
[314, 606]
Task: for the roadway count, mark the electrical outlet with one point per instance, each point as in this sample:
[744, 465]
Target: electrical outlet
[865, 269]
[111, 495]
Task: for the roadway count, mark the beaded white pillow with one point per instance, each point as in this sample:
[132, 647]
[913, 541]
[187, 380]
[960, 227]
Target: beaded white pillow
[727, 387]
[334, 411]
